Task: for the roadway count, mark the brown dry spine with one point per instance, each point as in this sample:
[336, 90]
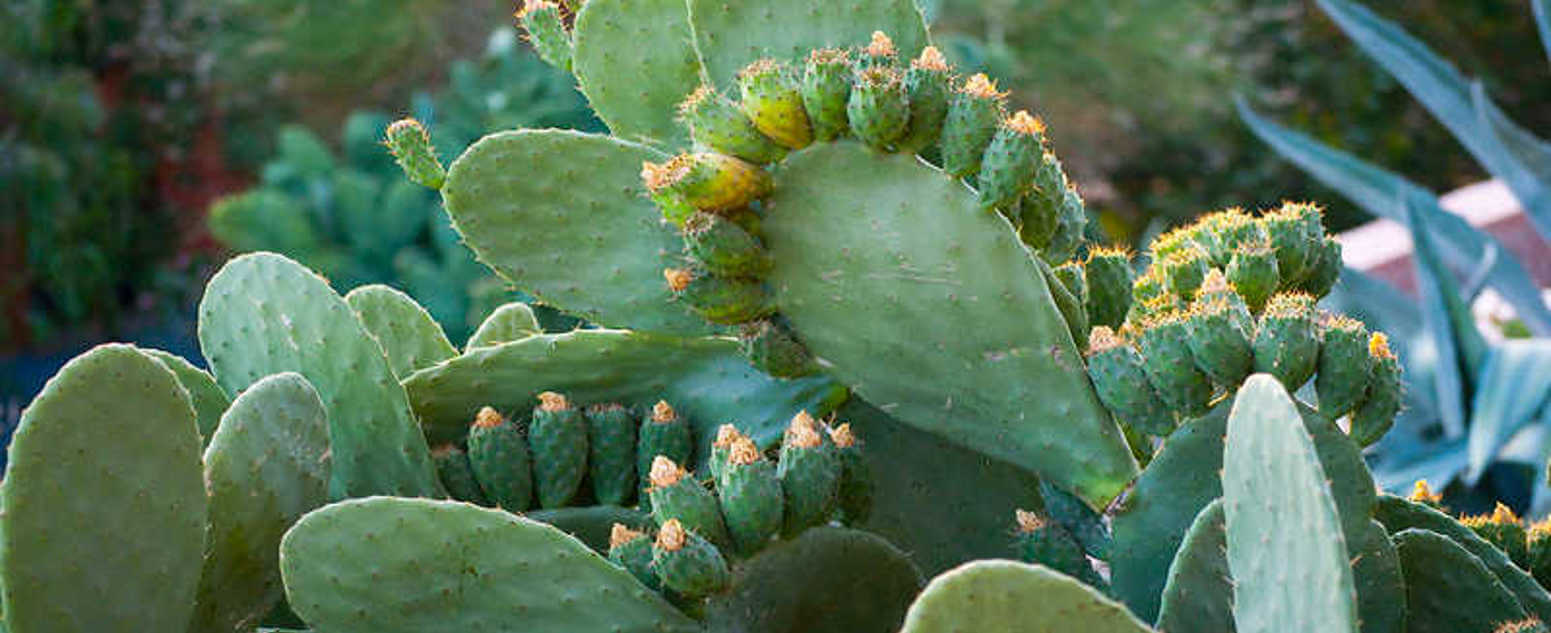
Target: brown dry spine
[551, 401]
[620, 535]
[743, 452]
[663, 413]
[803, 431]
[672, 536]
[665, 473]
[488, 417]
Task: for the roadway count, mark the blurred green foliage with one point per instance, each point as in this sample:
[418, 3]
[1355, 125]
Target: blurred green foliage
[1138, 93]
[356, 219]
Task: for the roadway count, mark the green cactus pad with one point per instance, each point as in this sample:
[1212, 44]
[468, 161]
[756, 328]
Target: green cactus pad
[1183, 478]
[1399, 514]
[729, 35]
[707, 380]
[846, 263]
[265, 468]
[591, 524]
[996, 595]
[1381, 587]
[1072, 513]
[576, 230]
[104, 501]
[390, 565]
[264, 314]
[408, 335]
[510, 322]
[541, 19]
[208, 398]
[1281, 521]
[828, 580]
[1448, 590]
[1199, 592]
[1043, 542]
[616, 44]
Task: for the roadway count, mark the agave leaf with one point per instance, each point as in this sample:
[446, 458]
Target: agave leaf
[1461, 349]
[1514, 387]
[1374, 189]
[1543, 21]
[1460, 106]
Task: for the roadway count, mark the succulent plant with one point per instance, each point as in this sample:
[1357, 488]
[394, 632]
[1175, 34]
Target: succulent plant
[659, 474]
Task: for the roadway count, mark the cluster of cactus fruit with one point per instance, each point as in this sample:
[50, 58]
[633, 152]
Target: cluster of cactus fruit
[899, 252]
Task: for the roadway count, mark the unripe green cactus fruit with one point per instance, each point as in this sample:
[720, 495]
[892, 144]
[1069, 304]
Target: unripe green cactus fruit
[688, 563]
[810, 475]
[611, 437]
[973, 115]
[1149, 284]
[1253, 273]
[633, 551]
[772, 348]
[1295, 230]
[1184, 271]
[771, 98]
[724, 300]
[1504, 530]
[716, 122]
[411, 146]
[1287, 340]
[706, 181]
[1121, 382]
[879, 109]
[1076, 281]
[1170, 367]
[499, 455]
[1071, 220]
[1108, 272]
[678, 496]
[751, 497]
[1042, 542]
[879, 52]
[457, 475]
[726, 436]
[558, 437]
[1041, 210]
[724, 248]
[1345, 368]
[826, 88]
[541, 19]
[1220, 233]
[855, 476]
[1220, 333]
[1538, 544]
[1372, 419]
[1011, 161]
[927, 85]
[666, 434]
[1326, 270]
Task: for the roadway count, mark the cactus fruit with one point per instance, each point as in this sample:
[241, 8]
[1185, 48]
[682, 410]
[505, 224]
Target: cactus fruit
[1052, 207]
[1011, 161]
[411, 146]
[1171, 369]
[1042, 542]
[1345, 366]
[611, 440]
[810, 475]
[665, 433]
[687, 563]
[1502, 529]
[1184, 271]
[1071, 223]
[676, 495]
[879, 108]
[1538, 544]
[716, 122]
[499, 455]
[1295, 230]
[772, 348]
[826, 89]
[706, 181]
[751, 496]
[1252, 272]
[1149, 285]
[1109, 277]
[724, 300]
[1373, 417]
[856, 488]
[557, 436]
[1220, 339]
[879, 52]
[726, 435]
[632, 550]
[457, 475]
[927, 86]
[1120, 378]
[541, 19]
[723, 247]
[1072, 277]
[974, 112]
[771, 98]
[1287, 340]
[1327, 268]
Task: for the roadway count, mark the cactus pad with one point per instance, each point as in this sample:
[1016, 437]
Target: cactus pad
[1447, 589]
[576, 230]
[511, 322]
[104, 505]
[590, 524]
[208, 398]
[996, 595]
[618, 43]
[730, 35]
[264, 314]
[1199, 593]
[390, 565]
[410, 338]
[266, 467]
[845, 264]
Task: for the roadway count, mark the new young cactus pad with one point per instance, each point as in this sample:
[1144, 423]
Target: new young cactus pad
[848, 356]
